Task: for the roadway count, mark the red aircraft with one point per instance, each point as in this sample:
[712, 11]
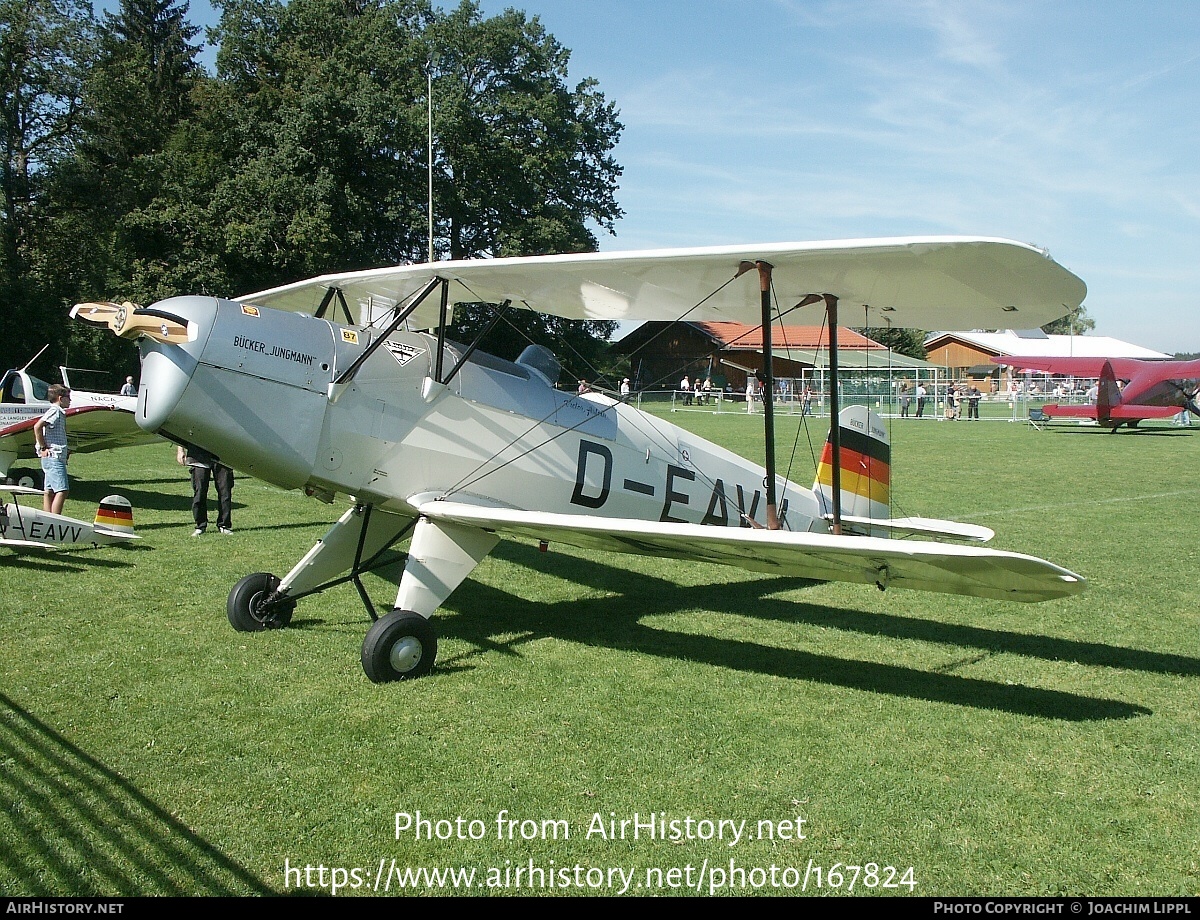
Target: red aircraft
[1151, 389]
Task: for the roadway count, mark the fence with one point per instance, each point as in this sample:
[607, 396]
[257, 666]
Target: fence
[1003, 406]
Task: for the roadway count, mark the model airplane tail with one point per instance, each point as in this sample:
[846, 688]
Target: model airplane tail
[114, 517]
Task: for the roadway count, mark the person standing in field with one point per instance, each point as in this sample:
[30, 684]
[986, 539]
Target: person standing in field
[205, 468]
[50, 437]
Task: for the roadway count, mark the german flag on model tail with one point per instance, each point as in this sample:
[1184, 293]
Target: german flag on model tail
[866, 467]
[115, 513]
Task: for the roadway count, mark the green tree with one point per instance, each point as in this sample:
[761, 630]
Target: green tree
[1076, 322]
[332, 173]
[523, 161]
[43, 47]
[329, 100]
[112, 233]
[910, 342]
[522, 166]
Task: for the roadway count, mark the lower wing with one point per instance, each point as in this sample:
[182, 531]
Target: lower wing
[915, 564]
[18, 546]
[1056, 411]
[1123, 412]
[90, 428]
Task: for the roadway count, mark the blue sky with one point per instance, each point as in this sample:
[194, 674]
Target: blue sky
[1070, 125]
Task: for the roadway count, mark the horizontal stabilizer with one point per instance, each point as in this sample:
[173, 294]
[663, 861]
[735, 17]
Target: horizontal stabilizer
[918, 525]
[915, 564]
[1137, 412]
[1123, 412]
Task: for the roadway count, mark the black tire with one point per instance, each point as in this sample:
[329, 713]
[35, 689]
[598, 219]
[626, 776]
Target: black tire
[30, 479]
[400, 645]
[244, 606]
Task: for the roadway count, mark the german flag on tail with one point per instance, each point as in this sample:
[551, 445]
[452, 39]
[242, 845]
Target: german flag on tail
[115, 513]
[866, 467]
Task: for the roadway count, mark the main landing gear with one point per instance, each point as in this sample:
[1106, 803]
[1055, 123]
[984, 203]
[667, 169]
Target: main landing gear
[400, 645]
[26, 479]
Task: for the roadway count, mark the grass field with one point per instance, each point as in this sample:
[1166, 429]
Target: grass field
[958, 746]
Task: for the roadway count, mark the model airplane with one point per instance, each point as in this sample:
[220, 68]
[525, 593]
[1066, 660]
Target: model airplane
[337, 386]
[1151, 389]
[96, 421]
[23, 527]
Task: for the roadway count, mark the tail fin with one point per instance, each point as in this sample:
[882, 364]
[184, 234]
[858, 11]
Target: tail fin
[1108, 394]
[866, 468]
[115, 515]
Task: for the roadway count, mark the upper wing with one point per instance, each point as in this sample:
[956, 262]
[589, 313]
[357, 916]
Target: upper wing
[91, 428]
[1122, 368]
[1078, 367]
[866, 560]
[926, 283]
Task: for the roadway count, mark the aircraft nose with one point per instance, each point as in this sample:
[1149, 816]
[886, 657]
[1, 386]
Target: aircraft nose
[173, 338]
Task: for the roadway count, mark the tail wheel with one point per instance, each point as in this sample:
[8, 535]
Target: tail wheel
[246, 608]
[400, 645]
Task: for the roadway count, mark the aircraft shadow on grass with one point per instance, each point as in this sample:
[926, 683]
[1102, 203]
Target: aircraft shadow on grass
[616, 622]
[1125, 432]
[86, 830]
[80, 559]
[165, 501]
[94, 491]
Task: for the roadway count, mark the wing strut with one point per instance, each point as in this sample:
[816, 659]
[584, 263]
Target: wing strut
[835, 428]
[764, 287]
[330, 293]
[358, 362]
[471, 349]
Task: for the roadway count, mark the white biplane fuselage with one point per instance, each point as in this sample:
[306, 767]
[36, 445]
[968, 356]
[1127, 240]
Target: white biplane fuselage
[499, 433]
[450, 448]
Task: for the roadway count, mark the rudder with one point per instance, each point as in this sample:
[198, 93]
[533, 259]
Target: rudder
[115, 514]
[866, 474]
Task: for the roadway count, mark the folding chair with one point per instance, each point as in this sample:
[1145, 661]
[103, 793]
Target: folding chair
[1038, 418]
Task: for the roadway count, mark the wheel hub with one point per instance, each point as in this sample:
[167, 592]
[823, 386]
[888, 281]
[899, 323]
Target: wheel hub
[405, 654]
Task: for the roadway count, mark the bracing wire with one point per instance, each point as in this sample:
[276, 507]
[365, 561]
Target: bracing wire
[475, 475]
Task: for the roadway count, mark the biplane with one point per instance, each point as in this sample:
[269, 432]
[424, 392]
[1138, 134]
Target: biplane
[347, 385]
[1128, 390]
[24, 527]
